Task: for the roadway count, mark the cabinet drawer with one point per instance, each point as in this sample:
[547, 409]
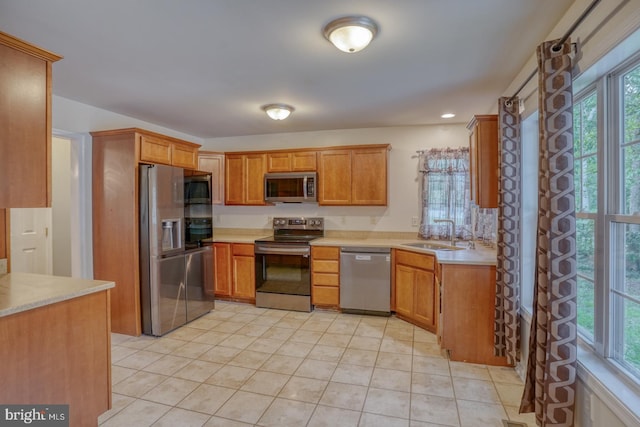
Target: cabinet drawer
[326, 266]
[242, 249]
[326, 279]
[323, 295]
[155, 150]
[413, 259]
[325, 252]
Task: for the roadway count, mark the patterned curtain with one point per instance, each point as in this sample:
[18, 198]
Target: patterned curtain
[551, 369]
[445, 193]
[507, 316]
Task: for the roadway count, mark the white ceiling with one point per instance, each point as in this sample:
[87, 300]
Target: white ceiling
[204, 67]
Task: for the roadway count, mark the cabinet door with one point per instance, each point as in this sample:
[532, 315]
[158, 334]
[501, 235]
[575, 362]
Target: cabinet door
[483, 169]
[25, 126]
[184, 155]
[244, 277]
[222, 268]
[279, 162]
[369, 177]
[214, 163]
[234, 179]
[155, 150]
[255, 167]
[405, 278]
[334, 177]
[425, 310]
[303, 161]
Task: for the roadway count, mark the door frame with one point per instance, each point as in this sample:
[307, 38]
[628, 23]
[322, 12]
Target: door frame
[81, 205]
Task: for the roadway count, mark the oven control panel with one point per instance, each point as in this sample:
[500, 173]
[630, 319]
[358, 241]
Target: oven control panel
[298, 223]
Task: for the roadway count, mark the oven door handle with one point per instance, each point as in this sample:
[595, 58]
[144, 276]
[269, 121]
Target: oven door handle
[281, 250]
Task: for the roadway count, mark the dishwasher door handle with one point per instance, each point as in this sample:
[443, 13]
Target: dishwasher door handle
[363, 257]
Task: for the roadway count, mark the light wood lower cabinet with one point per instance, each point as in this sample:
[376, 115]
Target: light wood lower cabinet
[59, 353]
[468, 301]
[234, 270]
[416, 291]
[325, 276]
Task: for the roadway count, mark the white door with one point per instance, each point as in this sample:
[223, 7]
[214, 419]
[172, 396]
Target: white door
[30, 240]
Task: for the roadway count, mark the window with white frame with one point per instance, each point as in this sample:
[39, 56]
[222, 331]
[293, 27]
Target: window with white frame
[607, 186]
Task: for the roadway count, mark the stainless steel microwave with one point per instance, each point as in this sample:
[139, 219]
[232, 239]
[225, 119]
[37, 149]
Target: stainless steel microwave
[290, 187]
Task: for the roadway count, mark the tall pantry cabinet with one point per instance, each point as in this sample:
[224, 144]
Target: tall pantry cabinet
[25, 126]
[116, 155]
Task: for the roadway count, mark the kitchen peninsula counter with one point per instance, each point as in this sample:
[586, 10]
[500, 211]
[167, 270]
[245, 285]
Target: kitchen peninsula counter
[22, 291]
[56, 333]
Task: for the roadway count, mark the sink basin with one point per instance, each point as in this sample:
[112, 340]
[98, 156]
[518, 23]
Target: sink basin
[432, 246]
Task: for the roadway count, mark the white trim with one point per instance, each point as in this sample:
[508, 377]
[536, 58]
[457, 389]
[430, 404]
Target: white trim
[611, 387]
[81, 220]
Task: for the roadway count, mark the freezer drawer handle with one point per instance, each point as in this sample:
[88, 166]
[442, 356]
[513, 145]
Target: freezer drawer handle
[363, 257]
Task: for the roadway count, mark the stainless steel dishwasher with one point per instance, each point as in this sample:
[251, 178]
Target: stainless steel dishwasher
[365, 280]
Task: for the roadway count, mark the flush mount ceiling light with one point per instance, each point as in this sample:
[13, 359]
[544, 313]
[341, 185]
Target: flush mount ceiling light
[278, 111]
[351, 33]
[448, 115]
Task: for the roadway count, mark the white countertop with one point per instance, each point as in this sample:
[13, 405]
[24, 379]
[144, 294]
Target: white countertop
[23, 291]
[482, 255]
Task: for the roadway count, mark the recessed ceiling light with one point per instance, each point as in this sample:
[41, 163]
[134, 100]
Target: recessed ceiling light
[448, 115]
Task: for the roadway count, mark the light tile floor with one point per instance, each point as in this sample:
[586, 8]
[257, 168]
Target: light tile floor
[245, 366]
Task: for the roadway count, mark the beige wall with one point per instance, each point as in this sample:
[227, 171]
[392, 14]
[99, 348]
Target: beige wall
[403, 175]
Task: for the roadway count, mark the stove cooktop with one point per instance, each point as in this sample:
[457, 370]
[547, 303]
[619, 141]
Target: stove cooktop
[298, 230]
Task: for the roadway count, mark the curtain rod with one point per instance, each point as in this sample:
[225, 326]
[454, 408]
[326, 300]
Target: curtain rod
[558, 45]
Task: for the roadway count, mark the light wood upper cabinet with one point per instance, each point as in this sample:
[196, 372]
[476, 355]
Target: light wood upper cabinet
[334, 177]
[483, 160]
[214, 163]
[291, 161]
[369, 176]
[244, 178]
[160, 149]
[353, 176]
[25, 124]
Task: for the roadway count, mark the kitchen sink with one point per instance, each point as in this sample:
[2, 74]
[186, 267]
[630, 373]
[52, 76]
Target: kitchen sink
[432, 246]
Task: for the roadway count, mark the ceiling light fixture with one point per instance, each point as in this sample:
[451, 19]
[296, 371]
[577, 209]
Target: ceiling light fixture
[351, 33]
[278, 111]
[448, 115]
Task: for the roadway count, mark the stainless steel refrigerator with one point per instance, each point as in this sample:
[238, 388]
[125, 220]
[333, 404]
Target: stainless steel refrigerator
[173, 281]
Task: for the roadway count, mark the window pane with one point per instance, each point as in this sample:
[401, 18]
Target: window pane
[589, 185]
[631, 105]
[586, 313]
[590, 124]
[577, 173]
[631, 336]
[631, 184]
[631, 283]
[585, 237]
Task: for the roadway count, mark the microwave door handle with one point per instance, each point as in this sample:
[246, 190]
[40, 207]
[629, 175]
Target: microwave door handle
[304, 186]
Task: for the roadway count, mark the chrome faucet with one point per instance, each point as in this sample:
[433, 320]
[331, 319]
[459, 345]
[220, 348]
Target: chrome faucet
[453, 229]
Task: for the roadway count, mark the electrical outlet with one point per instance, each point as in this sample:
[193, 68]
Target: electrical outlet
[373, 220]
[414, 221]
